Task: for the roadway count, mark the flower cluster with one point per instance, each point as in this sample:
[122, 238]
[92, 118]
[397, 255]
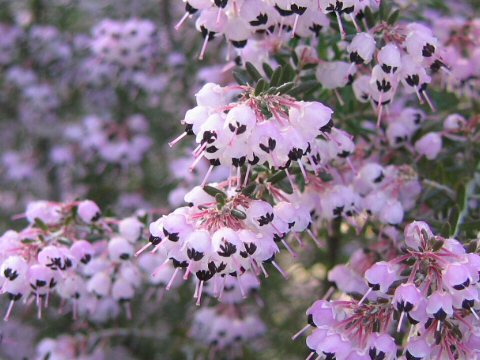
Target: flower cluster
[127, 44]
[112, 142]
[77, 347]
[225, 234]
[428, 294]
[225, 328]
[275, 130]
[459, 39]
[410, 54]
[383, 193]
[241, 21]
[70, 251]
[9, 43]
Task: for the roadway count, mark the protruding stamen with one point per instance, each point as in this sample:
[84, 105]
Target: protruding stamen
[420, 100]
[315, 239]
[295, 23]
[365, 296]
[196, 149]
[399, 326]
[196, 161]
[222, 288]
[340, 25]
[172, 278]
[177, 139]
[265, 273]
[474, 313]
[280, 270]
[182, 20]
[292, 184]
[328, 293]
[305, 328]
[240, 286]
[204, 46]
[145, 247]
[299, 241]
[187, 271]
[9, 310]
[289, 249]
[379, 111]
[39, 307]
[354, 21]
[429, 102]
[197, 285]
[199, 294]
[247, 175]
[302, 169]
[207, 175]
[239, 175]
[339, 97]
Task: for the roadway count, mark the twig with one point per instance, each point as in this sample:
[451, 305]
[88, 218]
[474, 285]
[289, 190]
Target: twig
[461, 217]
[439, 186]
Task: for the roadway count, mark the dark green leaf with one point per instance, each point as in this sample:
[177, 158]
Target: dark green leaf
[326, 177]
[304, 87]
[279, 176]
[446, 229]
[369, 17]
[277, 77]
[238, 214]
[210, 190]
[453, 217]
[268, 69]
[288, 74]
[249, 190]
[437, 245]
[261, 86]
[393, 17]
[40, 224]
[294, 58]
[382, 11]
[253, 72]
[240, 77]
[285, 88]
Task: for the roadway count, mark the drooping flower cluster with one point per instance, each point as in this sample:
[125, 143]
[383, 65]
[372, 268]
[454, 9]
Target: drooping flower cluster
[225, 235]
[409, 56]
[241, 21]
[381, 193]
[275, 130]
[459, 39]
[127, 44]
[69, 251]
[427, 294]
[9, 43]
[77, 347]
[226, 328]
[121, 143]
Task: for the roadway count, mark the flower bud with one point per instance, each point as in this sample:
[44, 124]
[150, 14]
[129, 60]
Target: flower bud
[131, 229]
[380, 276]
[88, 211]
[429, 145]
[120, 249]
[362, 48]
